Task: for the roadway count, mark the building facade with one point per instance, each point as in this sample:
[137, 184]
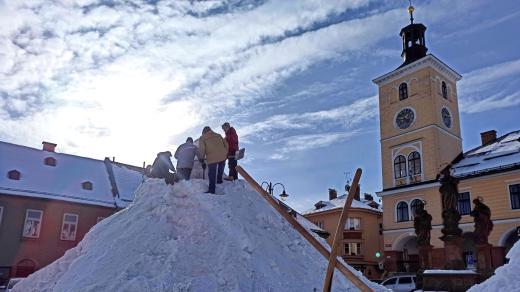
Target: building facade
[420, 136]
[362, 242]
[50, 200]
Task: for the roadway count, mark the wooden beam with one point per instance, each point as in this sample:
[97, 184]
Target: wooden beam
[338, 235]
[313, 241]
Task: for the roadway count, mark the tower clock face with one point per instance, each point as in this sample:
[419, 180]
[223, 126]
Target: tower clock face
[405, 118]
[446, 117]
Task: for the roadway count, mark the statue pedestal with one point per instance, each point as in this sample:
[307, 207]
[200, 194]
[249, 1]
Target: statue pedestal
[425, 262]
[453, 252]
[484, 264]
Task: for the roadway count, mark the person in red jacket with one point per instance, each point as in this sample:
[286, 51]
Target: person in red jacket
[232, 140]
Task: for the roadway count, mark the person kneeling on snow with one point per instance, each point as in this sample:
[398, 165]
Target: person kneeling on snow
[215, 149]
[161, 167]
[185, 156]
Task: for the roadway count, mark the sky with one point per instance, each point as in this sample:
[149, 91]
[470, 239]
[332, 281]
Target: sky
[127, 79]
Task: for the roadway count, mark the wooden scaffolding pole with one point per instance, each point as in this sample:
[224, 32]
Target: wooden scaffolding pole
[338, 235]
[313, 241]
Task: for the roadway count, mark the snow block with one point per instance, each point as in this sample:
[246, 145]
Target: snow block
[176, 238]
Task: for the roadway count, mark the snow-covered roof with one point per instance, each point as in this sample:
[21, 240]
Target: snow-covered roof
[64, 180]
[499, 155]
[339, 202]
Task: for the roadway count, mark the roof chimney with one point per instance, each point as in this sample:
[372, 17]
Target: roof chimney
[332, 194]
[357, 195]
[488, 137]
[48, 146]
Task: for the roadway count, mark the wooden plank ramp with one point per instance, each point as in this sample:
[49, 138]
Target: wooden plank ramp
[313, 241]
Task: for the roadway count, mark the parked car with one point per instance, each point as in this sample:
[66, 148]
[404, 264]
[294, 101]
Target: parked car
[12, 282]
[401, 283]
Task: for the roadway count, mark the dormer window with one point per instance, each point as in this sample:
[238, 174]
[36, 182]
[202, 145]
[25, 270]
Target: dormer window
[14, 175]
[87, 186]
[444, 89]
[50, 161]
[403, 91]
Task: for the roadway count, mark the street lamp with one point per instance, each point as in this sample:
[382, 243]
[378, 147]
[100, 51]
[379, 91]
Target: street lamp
[269, 187]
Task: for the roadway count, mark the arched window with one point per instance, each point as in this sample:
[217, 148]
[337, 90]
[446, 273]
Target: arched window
[50, 161]
[402, 212]
[400, 167]
[414, 163]
[403, 91]
[24, 268]
[413, 206]
[87, 186]
[444, 90]
[14, 174]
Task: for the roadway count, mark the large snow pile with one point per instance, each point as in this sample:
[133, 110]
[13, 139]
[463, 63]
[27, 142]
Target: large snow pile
[507, 277]
[180, 239]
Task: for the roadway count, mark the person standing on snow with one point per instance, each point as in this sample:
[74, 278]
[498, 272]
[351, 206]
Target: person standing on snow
[214, 148]
[161, 167]
[185, 155]
[232, 140]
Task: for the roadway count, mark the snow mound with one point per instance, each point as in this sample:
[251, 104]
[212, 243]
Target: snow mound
[180, 239]
[507, 277]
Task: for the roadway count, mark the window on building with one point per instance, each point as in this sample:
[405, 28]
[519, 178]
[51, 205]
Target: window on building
[1, 214]
[14, 174]
[414, 205]
[69, 226]
[514, 194]
[402, 212]
[403, 91]
[86, 185]
[353, 248]
[444, 90]
[464, 203]
[50, 161]
[414, 163]
[353, 224]
[400, 167]
[33, 222]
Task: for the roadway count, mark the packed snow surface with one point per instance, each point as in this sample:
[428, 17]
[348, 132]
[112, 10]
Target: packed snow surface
[180, 239]
[507, 277]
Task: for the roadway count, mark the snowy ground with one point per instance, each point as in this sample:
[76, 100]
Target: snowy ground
[179, 239]
[507, 277]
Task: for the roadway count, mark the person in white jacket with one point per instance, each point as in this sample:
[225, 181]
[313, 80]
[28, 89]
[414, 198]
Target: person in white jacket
[185, 156]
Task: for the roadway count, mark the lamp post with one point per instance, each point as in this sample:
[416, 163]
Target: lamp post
[269, 187]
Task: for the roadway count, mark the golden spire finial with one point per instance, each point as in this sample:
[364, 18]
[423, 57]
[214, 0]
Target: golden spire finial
[411, 9]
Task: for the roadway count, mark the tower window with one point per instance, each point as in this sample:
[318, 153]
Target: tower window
[414, 163]
[87, 186]
[402, 212]
[14, 175]
[414, 205]
[444, 90]
[403, 91]
[400, 167]
[50, 161]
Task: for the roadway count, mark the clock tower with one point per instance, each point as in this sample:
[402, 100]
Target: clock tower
[419, 114]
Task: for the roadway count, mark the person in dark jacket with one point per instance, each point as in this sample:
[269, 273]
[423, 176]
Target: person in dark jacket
[232, 140]
[185, 156]
[161, 167]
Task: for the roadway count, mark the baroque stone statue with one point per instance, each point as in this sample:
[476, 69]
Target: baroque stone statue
[422, 223]
[483, 225]
[450, 214]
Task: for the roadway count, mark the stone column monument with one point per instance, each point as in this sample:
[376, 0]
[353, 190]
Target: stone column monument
[450, 219]
[483, 226]
[422, 223]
